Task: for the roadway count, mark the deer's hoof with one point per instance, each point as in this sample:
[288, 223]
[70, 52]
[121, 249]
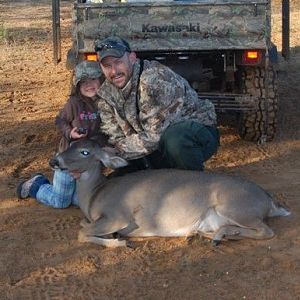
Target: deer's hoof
[215, 242]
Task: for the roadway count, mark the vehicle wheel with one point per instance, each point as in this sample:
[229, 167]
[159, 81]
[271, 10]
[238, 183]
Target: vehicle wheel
[71, 59]
[252, 124]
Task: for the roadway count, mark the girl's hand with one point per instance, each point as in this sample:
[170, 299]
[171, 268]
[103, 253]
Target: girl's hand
[74, 134]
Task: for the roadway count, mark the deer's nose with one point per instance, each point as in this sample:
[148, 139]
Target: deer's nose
[53, 162]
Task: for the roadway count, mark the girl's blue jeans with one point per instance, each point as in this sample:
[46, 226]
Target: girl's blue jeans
[61, 193]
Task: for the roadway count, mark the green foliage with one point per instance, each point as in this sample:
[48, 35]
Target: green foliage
[3, 32]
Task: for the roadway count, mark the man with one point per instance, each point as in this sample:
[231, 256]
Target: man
[151, 114]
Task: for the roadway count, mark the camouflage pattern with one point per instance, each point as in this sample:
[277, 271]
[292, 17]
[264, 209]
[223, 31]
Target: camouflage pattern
[87, 70]
[165, 98]
[112, 46]
[177, 26]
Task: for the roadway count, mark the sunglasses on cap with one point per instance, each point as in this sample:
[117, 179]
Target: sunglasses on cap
[112, 45]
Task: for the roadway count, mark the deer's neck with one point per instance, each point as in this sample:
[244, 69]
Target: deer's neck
[86, 187]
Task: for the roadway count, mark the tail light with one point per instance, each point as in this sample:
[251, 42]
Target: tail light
[90, 56]
[251, 57]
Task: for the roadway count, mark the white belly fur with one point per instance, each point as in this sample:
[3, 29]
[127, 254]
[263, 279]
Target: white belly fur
[212, 222]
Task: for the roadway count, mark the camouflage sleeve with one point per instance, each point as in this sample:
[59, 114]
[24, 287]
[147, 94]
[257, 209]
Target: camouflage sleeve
[109, 124]
[161, 97]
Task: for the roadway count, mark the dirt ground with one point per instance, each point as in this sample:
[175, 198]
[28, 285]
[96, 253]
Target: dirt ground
[40, 256]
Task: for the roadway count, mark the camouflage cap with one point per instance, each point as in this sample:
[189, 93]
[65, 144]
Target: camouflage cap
[111, 46]
[87, 70]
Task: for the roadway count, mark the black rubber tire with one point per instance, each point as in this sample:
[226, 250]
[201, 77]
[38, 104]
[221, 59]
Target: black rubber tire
[252, 124]
[72, 59]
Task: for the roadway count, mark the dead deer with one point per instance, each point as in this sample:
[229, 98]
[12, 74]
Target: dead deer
[166, 202]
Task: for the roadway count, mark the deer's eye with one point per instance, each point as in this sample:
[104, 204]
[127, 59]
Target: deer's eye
[85, 152]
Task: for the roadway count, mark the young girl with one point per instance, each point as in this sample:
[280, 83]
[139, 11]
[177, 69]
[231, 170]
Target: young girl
[79, 118]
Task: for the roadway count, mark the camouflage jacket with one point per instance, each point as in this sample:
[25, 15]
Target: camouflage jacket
[134, 122]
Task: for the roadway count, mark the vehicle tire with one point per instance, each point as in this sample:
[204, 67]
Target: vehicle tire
[71, 59]
[252, 124]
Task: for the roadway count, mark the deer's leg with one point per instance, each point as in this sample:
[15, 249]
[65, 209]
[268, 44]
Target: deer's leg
[104, 226]
[84, 222]
[83, 238]
[93, 232]
[233, 232]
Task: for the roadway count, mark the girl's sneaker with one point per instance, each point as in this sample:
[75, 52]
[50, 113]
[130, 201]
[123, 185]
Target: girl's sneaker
[30, 187]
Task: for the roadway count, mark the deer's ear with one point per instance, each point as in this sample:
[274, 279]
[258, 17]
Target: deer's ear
[111, 161]
[115, 162]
